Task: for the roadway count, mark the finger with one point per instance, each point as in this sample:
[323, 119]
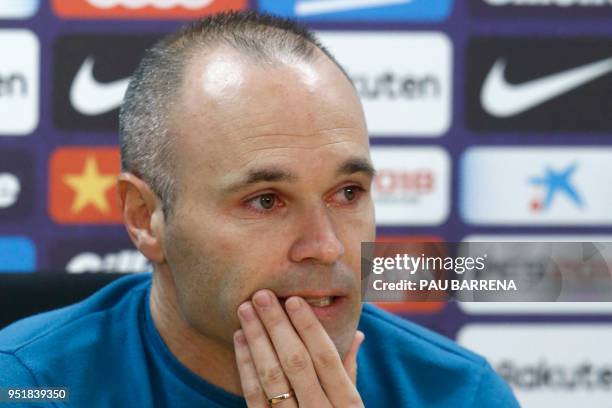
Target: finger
[331, 372]
[267, 366]
[292, 353]
[251, 389]
[350, 359]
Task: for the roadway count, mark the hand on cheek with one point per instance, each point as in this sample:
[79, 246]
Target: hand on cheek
[280, 352]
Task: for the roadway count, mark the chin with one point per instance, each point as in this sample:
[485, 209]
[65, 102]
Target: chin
[342, 337]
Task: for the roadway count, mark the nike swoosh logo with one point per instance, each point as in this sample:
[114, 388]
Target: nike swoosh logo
[501, 99]
[90, 97]
[309, 8]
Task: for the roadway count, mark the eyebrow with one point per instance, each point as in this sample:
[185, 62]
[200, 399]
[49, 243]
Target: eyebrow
[273, 174]
[356, 165]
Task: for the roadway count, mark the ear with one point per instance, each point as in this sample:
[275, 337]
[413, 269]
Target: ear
[143, 216]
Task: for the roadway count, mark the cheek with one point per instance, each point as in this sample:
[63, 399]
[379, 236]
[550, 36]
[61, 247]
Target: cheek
[218, 263]
[360, 227]
[210, 283]
[240, 258]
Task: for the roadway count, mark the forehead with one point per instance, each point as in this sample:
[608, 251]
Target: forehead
[234, 110]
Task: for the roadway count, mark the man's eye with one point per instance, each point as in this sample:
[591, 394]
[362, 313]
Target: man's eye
[267, 201]
[264, 202]
[349, 194]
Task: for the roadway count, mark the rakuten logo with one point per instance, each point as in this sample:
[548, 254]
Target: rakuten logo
[551, 365]
[547, 375]
[19, 76]
[411, 186]
[13, 84]
[158, 4]
[126, 261]
[402, 94]
[393, 86]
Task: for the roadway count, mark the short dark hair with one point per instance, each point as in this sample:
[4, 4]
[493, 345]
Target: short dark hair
[145, 140]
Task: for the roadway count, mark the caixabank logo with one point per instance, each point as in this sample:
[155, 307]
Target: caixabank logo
[82, 185]
[527, 84]
[360, 10]
[91, 75]
[157, 9]
[16, 185]
[537, 186]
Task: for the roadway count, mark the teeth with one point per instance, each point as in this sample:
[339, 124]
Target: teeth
[319, 302]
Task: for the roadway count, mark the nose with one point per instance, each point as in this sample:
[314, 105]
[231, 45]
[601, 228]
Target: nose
[317, 239]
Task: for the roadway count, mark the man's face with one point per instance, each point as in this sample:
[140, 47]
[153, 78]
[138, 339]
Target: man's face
[272, 172]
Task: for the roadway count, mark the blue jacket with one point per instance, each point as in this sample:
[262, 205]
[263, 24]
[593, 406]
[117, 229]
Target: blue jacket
[107, 351]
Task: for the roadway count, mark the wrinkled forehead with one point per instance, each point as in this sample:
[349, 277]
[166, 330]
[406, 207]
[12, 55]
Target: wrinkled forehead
[232, 105]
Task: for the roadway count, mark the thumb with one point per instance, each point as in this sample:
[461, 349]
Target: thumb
[350, 359]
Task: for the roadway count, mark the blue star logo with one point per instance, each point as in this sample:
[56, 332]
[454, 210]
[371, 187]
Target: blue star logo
[557, 182]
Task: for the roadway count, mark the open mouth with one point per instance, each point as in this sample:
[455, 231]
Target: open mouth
[322, 301]
[323, 306]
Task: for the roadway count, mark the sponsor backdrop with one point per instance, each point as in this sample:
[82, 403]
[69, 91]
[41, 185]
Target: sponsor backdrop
[489, 119]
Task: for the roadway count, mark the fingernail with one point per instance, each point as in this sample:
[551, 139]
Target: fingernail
[246, 311]
[360, 336]
[239, 337]
[292, 304]
[262, 298]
